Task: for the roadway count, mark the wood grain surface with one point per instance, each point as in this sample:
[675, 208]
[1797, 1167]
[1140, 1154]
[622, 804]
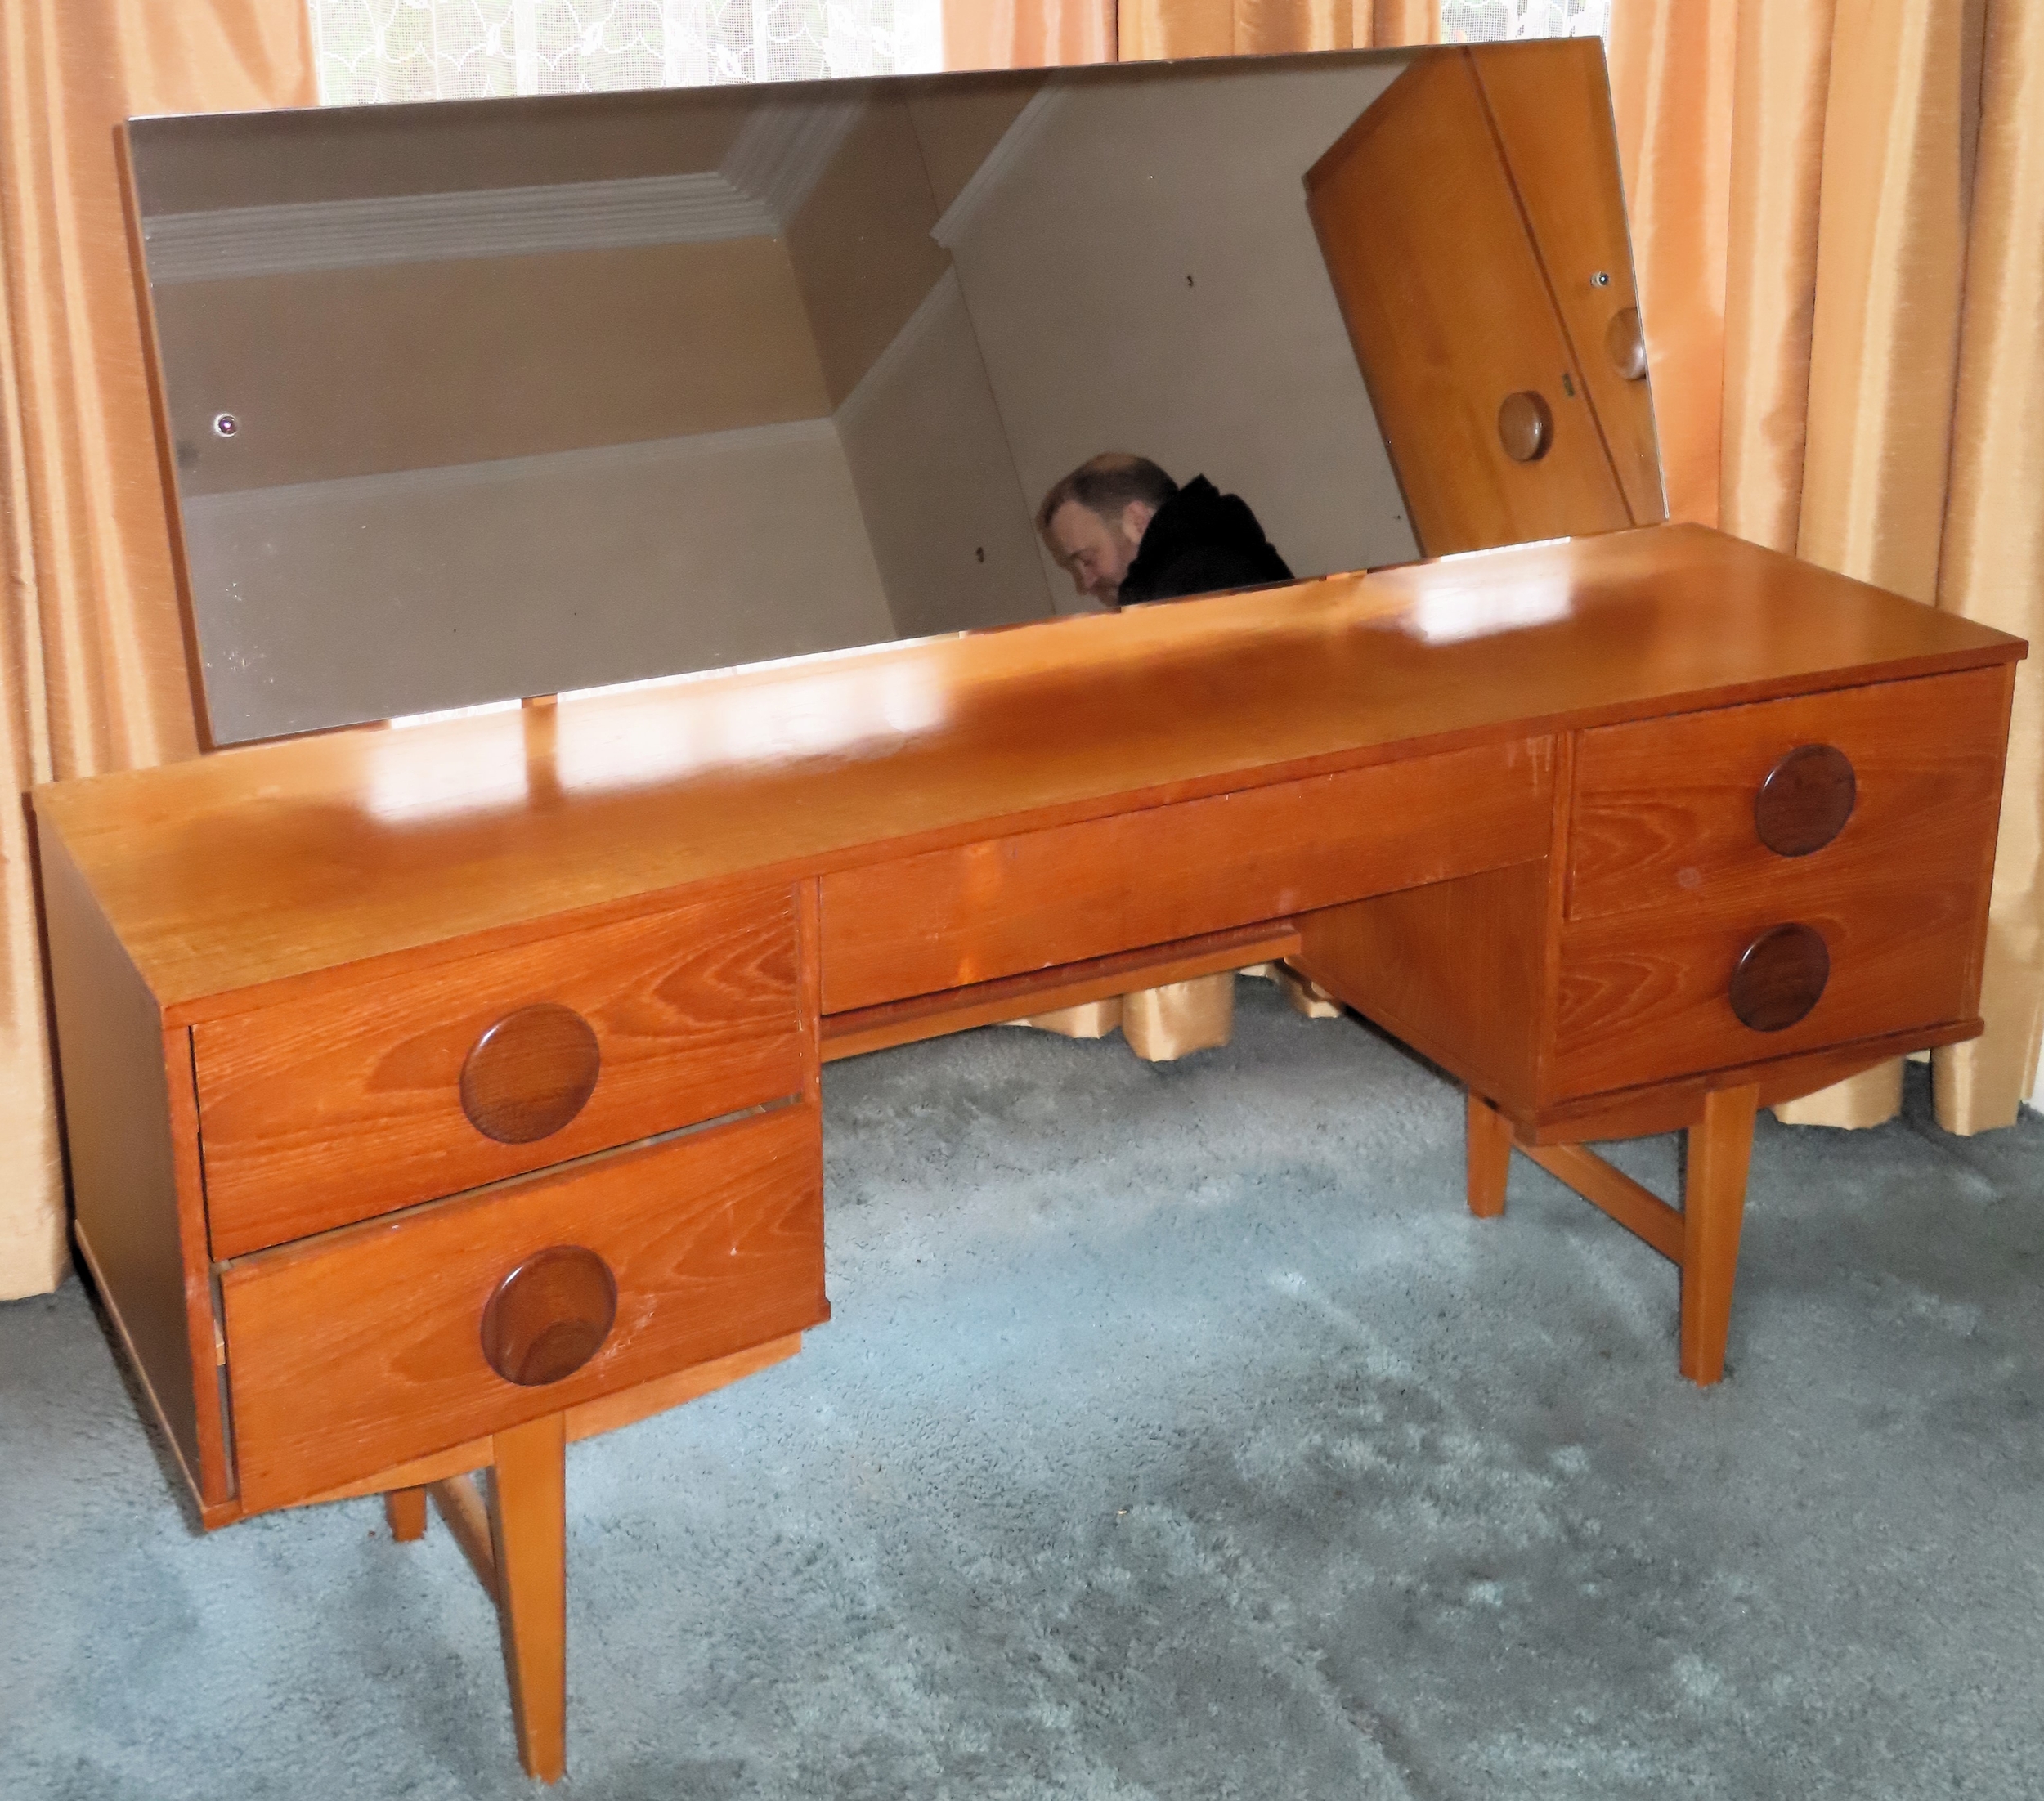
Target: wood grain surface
[1455, 969]
[952, 918]
[275, 863]
[1566, 179]
[1448, 304]
[356, 1351]
[694, 1009]
[1664, 811]
[1647, 996]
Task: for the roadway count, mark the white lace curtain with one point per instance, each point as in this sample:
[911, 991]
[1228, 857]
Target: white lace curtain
[396, 50]
[399, 50]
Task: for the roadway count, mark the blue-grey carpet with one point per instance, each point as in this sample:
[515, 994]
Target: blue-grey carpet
[1179, 1434]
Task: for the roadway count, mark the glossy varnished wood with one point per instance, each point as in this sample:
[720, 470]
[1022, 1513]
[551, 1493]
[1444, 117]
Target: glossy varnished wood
[1805, 799]
[1713, 1213]
[352, 1352]
[586, 1419]
[531, 1073]
[692, 1011]
[952, 918]
[1664, 810]
[1566, 181]
[1488, 1151]
[549, 1316]
[1449, 305]
[138, 1216]
[1456, 969]
[853, 1034]
[1644, 998]
[528, 1530]
[281, 862]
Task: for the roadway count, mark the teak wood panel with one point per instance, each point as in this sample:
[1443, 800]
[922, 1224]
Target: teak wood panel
[1567, 179]
[277, 863]
[142, 1238]
[1664, 810]
[356, 1352]
[1644, 996]
[695, 1013]
[951, 918]
[1448, 307]
[1456, 969]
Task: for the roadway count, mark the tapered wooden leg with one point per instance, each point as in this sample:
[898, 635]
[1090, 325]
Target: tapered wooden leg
[1490, 1157]
[1713, 1210]
[528, 1521]
[405, 1510]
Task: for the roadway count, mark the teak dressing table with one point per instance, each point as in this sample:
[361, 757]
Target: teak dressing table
[437, 1096]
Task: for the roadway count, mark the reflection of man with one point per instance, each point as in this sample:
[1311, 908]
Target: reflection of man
[1125, 532]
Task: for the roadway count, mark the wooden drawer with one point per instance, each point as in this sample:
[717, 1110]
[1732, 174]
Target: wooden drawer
[1644, 996]
[1664, 814]
[365, 1348]
[333, 1110]
[1033, 900]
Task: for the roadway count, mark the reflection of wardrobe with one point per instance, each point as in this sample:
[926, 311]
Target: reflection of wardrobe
[1474, 224]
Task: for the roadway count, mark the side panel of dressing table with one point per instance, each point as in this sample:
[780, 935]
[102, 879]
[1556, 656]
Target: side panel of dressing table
[437, 1097]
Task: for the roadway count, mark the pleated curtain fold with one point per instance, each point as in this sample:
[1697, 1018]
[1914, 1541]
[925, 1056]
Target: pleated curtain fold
[1838, 221]
[93, 674]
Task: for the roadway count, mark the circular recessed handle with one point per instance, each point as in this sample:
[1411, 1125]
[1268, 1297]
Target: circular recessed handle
[1526, 426]
[1805, 799]
[1780, 976]
[1625, 342]
[530, 1073]
[549, 1316]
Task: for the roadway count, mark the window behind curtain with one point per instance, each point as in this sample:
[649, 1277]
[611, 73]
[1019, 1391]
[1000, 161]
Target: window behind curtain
[1489, 21]
[400, 50]
[387, 50]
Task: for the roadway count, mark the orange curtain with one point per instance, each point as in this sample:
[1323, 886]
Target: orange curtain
[1027, 34]
[92, 666]
[1839, 226]
[1152, 29]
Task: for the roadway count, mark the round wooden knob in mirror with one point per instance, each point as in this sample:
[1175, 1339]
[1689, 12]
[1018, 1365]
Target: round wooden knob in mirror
[1526, 426]
[1805, 799]
[549, 1316]
[1780, 976]
[530, 1073]
[1625, 342]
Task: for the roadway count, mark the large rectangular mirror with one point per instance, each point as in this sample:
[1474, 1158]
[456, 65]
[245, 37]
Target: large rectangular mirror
[482, 399]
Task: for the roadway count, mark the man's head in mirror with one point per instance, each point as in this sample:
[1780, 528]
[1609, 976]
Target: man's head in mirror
[1094, 520]
[1125, 532]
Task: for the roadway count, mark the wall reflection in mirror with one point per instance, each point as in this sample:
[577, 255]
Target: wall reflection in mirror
[491, 399]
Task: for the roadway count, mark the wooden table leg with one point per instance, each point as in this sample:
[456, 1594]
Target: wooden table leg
[528, 1521]
[1713, 1210]
[1490, 1151]
[405, 1510]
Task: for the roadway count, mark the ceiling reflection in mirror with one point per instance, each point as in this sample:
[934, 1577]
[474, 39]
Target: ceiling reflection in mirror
[488, 399]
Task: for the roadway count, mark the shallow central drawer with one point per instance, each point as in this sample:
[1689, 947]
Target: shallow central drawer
[1033, 900]
[400, 1088]
[375, 1344]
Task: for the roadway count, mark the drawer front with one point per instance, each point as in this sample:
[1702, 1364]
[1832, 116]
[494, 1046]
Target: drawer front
[364, 1349]
[327, 1111]
[1665, 813]
[1032, 901]
[1643, 998]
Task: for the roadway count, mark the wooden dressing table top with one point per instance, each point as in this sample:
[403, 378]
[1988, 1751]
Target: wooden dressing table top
[258, 865]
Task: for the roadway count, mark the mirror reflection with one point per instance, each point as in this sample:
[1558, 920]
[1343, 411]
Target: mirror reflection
[482, 399]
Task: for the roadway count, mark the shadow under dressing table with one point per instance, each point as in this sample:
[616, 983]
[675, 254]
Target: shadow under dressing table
[438, 1096]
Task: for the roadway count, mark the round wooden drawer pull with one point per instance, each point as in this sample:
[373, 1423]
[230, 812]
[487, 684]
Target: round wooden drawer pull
[549, 1316]
[1526, 426]
[530, 1073]
[1805, 800]
[1780, 978]
[1625, 343]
